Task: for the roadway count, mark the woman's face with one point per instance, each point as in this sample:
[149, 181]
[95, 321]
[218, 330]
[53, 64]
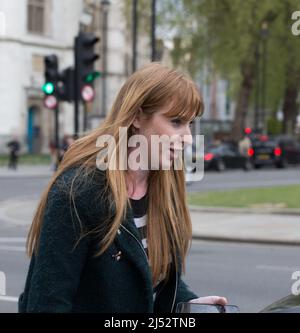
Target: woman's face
[176, 132]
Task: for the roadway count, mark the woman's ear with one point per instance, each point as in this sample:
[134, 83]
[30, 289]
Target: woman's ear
[137, 121]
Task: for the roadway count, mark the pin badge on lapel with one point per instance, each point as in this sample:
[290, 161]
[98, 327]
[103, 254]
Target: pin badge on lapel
[117, 256]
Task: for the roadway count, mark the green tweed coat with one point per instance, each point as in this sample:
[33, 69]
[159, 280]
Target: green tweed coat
[67, 278]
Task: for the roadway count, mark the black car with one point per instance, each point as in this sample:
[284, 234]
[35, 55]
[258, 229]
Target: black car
[289, 304]
[290, 149]
[225, 156]
[266, 152]
[278, 152]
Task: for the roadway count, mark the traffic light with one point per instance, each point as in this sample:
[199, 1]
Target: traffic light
[65, 85]
[85, 58]
[51, 79]
[51, 74]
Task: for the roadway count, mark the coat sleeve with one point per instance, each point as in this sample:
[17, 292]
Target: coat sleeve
[54, 278]
[184, 293]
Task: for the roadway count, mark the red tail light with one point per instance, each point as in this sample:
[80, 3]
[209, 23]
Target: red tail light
[208, 157]
[277, 151]
[250, 152]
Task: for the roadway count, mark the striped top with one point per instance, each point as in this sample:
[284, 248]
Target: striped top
[139, 208]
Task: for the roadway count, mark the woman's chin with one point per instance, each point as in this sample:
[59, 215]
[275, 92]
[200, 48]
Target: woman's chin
[167, 164]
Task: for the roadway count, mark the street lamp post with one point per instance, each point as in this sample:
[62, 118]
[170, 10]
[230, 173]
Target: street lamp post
[264, 34]
[257, 90]
[134, 34]
[153, 31]
[105, 7]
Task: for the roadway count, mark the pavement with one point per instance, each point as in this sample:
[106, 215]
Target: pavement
[252, 226]
[26, 171]
[266, 224]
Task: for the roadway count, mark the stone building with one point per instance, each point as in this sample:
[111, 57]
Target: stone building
[32, 29]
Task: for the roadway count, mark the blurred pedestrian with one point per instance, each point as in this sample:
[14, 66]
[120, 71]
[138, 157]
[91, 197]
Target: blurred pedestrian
[115, 240]
[14, 150]
[66, 143]
[244, 146]
[53, 154]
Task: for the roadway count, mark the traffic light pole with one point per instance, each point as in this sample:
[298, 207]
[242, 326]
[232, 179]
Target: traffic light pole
[104, 62]
[56, 111]
[76, 91]
[85, 120]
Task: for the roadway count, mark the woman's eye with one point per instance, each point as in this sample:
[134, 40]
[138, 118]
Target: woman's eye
[176, 121]
[179, 122]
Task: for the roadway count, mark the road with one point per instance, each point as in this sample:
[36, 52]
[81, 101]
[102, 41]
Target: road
[26, 187]
[229, 179]
[212, 180]
[13, 263]
[251, 276]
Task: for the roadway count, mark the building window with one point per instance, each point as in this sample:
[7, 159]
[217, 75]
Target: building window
[36, 10]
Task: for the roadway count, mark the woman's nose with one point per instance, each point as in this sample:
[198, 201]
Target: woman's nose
[187, 138]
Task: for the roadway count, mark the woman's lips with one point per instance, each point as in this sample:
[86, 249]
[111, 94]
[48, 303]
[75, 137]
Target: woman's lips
[171, 153]
[175, 152]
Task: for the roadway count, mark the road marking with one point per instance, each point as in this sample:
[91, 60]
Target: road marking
[9, 299]
[12, 240]
[277, 268]
[12, 248]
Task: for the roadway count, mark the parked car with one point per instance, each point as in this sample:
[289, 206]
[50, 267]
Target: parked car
[277, 151]
[289, 304]
[225, 156]
[217, 157]
[290, 149]
[266, 152]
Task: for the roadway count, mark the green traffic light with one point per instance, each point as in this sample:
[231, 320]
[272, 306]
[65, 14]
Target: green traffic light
[48, 88]
[92, 76]
[89, 78]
